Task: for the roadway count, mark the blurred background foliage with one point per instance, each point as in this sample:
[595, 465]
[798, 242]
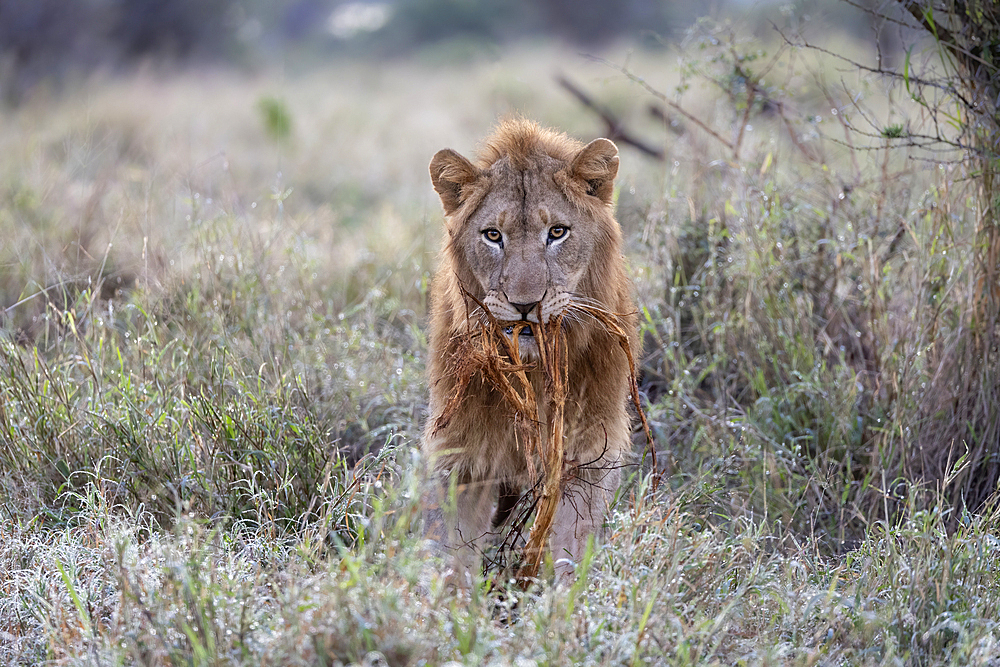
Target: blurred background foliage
[49, 41]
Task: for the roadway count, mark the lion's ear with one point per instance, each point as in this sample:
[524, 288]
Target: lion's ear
[596, 167]
[450, 174]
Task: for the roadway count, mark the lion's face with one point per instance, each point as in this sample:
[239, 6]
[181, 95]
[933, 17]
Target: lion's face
[524, 237]
[528, 248]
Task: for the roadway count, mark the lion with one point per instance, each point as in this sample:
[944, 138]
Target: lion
[530, 232]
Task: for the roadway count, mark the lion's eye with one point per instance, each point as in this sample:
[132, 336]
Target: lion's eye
[558, 232]
[493, 235]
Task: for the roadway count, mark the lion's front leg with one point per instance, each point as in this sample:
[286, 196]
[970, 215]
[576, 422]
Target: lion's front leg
[459, 519]
[580, 514]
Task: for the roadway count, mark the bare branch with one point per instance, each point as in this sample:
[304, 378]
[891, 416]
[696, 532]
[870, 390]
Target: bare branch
[670, 103]
[615, 128]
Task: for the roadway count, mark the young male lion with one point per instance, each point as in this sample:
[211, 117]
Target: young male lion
[530, 230]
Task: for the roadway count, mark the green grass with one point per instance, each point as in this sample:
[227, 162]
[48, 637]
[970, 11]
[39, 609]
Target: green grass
[211, 379]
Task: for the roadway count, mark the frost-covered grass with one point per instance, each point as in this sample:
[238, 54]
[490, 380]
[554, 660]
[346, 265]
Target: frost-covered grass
[211, 378]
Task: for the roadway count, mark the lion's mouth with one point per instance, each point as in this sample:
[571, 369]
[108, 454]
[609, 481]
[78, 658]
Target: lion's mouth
[525, 332]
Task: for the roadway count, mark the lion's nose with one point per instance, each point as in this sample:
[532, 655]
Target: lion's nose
[525, 308]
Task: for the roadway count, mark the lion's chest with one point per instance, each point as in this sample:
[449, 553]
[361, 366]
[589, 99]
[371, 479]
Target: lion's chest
[490, 440]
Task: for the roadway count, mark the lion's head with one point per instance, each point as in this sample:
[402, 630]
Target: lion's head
[530, 227]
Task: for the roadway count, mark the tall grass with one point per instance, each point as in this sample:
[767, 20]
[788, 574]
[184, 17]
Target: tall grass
[811, 275]
[211, 363]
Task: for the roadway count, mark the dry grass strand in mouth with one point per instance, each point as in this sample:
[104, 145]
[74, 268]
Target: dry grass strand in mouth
[489, 351]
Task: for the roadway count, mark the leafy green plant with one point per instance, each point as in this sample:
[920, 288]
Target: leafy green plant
[276, 118]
